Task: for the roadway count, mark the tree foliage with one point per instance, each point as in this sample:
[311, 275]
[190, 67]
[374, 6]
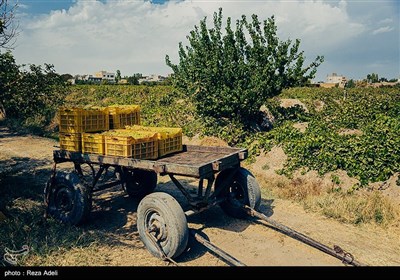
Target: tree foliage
[350, 84]
[133, 80]
[29, 94]
[118, 76]
[8, 27]
[372, 78]
[229, 76]
[66, 77]
[9, 73]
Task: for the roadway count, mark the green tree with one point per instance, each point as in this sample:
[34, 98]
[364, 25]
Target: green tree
[31, 94]
[9, 74]
[350, 84]
[372, 78]
[66, 77]
[134, 80]
[229, 77]
[118, 76]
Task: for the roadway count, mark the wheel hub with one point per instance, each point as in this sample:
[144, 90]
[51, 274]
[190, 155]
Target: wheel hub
[63, 200]
[157, 227]
[236, 192]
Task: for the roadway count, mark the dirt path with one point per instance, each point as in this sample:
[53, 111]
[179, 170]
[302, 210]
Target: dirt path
[28, 159]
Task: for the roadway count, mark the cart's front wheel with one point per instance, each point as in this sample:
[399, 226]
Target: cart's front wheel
[244, 189]
[69, 200]
[138, 183]
[160, 219]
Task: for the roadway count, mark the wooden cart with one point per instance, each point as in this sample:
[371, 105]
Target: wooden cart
[161, 221]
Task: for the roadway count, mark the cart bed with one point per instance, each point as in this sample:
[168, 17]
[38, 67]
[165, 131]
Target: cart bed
[193, 161]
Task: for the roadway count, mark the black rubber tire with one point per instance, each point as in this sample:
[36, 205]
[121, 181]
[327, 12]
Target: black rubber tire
[244, 189]
[162, 210]
[139, 183]
[69, 200]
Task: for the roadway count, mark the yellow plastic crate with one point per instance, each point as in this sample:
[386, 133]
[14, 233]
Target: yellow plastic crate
[139, 145]
[78, 120]
[122, 115]
[71, 141]
[169, 138]
[95, 120]
[170, 145]
[93, 143]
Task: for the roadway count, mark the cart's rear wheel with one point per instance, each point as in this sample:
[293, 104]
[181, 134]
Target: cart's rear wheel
[244, 189]
[161, 219]
[69, 200]
[138, 183]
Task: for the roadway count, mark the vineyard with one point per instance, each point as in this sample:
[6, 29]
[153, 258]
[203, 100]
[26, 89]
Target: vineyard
[355, 130]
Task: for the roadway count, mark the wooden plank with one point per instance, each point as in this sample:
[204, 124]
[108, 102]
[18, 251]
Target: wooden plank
[192, 158]
[170, 168]
[194, 161]
[61, 155]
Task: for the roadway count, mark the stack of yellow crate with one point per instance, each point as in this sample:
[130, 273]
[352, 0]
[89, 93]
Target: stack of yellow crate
[118, 133]
[118, 117]
[78, 120]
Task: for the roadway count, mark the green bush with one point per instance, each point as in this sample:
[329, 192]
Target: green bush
[30, 95]
[230, 74]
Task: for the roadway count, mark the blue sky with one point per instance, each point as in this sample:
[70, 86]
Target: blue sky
[43, 7]
[357, 37]
[34, 7]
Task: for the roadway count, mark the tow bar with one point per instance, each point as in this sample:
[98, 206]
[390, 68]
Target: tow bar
[336, 251]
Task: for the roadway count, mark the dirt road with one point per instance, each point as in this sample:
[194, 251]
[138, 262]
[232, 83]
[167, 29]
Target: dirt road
[25, 161]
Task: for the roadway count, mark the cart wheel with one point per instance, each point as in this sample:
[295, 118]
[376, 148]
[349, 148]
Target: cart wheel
[161, 216]
[243, 190]
[69, 200]
[138, 182]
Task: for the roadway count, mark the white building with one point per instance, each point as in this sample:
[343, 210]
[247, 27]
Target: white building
[336, 79]
[152, 78]
[104, 75]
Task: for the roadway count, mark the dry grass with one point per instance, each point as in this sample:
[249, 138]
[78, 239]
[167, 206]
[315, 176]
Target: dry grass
[82, 256]
[346, 131]
[359, 207]
[319, 105]
[213, 141]
[96, 254]
[25, 225]
[302, 127]
[290, 102]
[298, 189]
[356, 208]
